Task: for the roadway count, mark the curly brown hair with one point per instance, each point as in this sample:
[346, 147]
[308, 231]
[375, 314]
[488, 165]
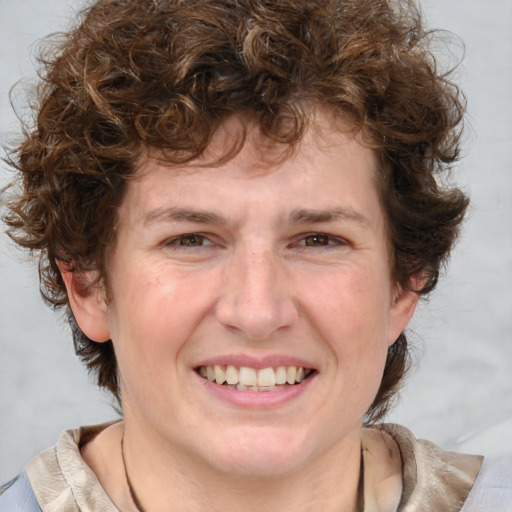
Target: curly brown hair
[140, 74]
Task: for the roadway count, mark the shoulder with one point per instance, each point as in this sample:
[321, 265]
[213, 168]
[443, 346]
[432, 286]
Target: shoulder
[433, 478]
[58, 479]
[437, 479]
[492, 490]
[17, 496]
[41, 487]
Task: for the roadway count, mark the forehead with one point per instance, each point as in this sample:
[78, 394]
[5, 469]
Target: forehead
[329, 168]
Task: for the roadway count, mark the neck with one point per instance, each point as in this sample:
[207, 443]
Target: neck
[330, 484]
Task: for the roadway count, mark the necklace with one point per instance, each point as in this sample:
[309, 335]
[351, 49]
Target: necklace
[360, 487]
[133, 495]
[140, 508]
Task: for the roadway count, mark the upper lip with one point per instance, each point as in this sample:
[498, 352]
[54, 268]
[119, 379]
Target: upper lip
[258, 363]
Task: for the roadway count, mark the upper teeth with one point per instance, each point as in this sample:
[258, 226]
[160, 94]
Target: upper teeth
[250, 377]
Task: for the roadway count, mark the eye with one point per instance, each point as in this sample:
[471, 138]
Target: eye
[188, 240]
[320, 240]
[315, 240]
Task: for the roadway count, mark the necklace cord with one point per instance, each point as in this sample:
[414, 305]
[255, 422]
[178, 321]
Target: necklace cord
[133, 494]
[140, 508]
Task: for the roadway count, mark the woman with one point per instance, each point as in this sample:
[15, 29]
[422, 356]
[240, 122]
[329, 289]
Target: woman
[239, 205]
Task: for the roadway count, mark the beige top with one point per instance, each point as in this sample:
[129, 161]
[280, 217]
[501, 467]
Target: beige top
[433, 479]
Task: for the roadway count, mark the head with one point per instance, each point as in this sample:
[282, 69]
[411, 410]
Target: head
[157, 80]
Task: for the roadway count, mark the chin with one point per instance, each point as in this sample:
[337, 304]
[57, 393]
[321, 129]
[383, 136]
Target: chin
[260, 452]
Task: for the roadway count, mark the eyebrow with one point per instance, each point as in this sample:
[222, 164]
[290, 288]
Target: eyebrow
[305, 216]
[301, 216]
[182, 215]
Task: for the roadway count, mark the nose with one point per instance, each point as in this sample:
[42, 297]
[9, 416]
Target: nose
[256, 299]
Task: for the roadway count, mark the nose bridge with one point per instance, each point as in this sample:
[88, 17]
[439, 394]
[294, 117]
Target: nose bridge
[264, 282]
[257, 299]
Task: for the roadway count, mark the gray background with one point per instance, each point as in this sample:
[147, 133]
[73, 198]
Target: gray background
[460, 394]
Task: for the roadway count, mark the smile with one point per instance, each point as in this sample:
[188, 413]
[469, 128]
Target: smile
[251, 379]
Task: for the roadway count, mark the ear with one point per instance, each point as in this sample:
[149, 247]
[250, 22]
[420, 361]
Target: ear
[402, 309]
[88, 303]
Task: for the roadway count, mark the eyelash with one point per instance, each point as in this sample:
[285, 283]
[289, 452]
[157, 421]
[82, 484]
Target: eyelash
[330, 240]
[324, 239]
[175, 242]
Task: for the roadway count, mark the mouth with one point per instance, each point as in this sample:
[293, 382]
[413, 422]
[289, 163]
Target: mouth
[244, 378]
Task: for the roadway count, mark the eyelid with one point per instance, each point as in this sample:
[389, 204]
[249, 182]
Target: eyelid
[333, 240]
[172, 241]
[208, 240]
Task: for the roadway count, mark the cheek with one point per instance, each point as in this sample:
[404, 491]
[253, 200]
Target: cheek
[149, 326]
[155, 312]
[352, 305]
[350, 312]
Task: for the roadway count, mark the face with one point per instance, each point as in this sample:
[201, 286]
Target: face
[274, 277]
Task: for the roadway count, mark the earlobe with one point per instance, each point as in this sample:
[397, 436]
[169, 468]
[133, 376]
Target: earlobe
[88, 304]
[402, 309]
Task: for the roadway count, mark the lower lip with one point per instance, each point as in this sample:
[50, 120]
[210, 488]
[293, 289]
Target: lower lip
[257, 399]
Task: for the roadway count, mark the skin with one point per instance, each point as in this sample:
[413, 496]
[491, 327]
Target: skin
[262, 276]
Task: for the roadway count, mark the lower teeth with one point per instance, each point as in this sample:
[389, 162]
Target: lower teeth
[241, 387]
